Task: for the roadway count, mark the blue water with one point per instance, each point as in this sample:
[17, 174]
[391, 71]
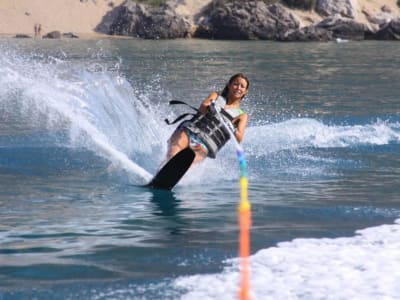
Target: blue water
[82, 128]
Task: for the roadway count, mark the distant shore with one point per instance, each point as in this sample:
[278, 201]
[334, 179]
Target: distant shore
[82, 36]
[78, 16]
[81, 18]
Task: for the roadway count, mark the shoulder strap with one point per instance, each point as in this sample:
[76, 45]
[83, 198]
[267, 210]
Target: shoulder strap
[226, 114]
[221, 101]
[174, 102]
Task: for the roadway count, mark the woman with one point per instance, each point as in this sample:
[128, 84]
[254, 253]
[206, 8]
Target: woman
[206, 133]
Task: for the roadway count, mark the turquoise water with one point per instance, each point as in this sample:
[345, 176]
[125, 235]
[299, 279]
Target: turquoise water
[82, 126]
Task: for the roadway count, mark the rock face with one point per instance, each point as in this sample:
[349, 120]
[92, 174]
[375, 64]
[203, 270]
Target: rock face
[70, 35]
[245, 20]
[251, 20]
[149, 22]
[22, 36]
[390, 31]
[344, 28]
[53, 35]
[306, 34]
[344, 8]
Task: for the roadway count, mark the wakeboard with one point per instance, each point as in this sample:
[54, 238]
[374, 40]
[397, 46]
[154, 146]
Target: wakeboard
[170, 174]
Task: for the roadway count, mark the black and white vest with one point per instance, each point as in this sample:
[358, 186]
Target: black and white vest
[209, 127]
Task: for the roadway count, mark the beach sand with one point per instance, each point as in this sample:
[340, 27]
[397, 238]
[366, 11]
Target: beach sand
[20, 16]
[81, 17]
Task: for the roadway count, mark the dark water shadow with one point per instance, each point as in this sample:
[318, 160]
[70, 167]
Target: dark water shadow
[165, 203]
[167, 207]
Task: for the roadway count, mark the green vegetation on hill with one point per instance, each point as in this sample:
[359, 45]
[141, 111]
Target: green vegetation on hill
[152, 2]
[301, 4]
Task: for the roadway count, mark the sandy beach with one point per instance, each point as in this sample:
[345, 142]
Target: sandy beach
[79, 17]
[83, 16]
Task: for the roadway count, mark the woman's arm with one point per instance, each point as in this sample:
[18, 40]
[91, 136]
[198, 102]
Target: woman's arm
[241, 123]
[206, 102]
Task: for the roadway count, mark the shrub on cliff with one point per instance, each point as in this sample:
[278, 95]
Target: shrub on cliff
[152, 2]
[302, 4]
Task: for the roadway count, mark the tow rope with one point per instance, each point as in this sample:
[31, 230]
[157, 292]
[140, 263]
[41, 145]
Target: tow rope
[244, 219]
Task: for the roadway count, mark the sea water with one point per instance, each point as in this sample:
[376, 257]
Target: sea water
[82, 127]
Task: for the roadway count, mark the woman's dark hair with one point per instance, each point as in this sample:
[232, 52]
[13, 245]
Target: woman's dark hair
[238, 75]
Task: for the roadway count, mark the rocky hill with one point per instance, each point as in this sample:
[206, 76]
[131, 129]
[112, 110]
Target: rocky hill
[323, 20]
[251, 20]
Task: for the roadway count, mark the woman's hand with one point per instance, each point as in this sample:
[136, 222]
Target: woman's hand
[207, 102]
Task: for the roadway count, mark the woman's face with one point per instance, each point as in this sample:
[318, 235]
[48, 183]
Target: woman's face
[237, 89]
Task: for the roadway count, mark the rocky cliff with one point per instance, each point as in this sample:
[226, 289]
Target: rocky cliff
[252, 20]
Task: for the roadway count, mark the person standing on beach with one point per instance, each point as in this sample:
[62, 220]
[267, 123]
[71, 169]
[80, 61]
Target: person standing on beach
[39, 31]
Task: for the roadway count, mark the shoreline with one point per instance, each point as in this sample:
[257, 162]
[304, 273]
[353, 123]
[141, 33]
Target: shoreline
[98, 37]
[91, 19]
[81, 36]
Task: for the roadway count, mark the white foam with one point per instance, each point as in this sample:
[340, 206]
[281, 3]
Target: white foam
[366, 266]
[304, 132]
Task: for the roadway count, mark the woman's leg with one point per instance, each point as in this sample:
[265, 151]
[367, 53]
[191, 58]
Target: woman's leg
[177, 142]
[200, 152]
